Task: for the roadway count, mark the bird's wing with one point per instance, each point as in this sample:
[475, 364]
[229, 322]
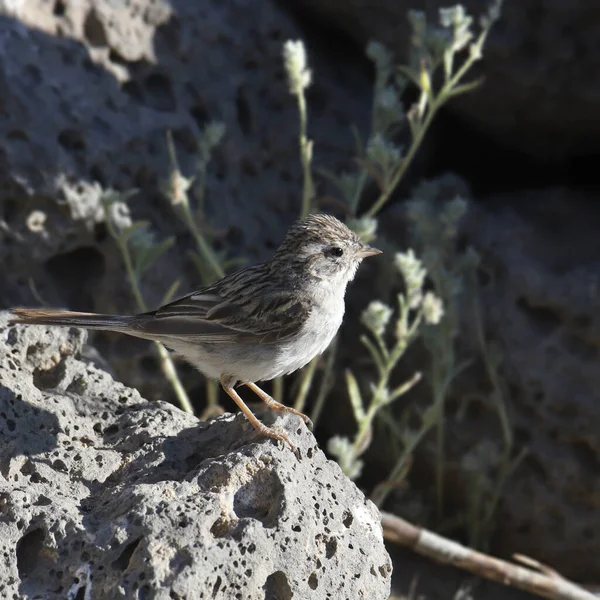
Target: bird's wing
[244, 307]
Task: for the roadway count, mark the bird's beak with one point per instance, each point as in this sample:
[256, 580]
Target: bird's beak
[367, 251]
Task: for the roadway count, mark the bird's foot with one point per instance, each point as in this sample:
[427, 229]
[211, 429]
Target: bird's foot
[259, 427]
[276, 434]
[278, 406]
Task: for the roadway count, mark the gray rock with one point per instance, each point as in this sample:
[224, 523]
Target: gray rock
[90, 89]
[106, 495]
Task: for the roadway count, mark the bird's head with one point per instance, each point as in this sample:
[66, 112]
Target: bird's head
[324, 248]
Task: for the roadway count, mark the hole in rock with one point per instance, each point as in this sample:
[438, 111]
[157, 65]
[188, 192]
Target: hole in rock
[221, 527]
[48, 379]
[133, 89]
[59, 8]
[81, 593]
[260, 498]
[29, 548]
[159, 92]
[93, 30]
[217, 586]
[330, 548]
[347, 518]
[277, 587]
[71, 140]
[122, 562]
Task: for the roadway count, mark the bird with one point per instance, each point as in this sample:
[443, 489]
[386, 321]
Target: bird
[256, 324]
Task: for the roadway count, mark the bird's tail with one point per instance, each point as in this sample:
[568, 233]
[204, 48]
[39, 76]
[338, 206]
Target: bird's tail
[65, 318]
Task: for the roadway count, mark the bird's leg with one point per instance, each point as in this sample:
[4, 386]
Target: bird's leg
[261, 428]
[277, 406]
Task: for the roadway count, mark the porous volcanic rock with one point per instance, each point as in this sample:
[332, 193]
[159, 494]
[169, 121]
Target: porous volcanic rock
[106, 495]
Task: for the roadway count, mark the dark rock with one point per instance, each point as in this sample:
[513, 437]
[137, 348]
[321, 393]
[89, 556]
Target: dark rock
[541, 254]
[537, 291]
[541, 89]
[89, 91]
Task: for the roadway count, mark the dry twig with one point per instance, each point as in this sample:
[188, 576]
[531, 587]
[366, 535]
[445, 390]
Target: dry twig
[543, 581]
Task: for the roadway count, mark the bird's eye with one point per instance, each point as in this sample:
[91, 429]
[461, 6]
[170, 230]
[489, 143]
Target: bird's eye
[335, 251]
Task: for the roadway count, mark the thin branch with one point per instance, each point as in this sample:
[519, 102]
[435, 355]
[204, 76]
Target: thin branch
[543, 582]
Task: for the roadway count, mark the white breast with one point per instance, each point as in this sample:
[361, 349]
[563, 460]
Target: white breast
[314, 338]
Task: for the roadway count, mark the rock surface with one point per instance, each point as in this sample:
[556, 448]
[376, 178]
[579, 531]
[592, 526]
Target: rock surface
[105, 495]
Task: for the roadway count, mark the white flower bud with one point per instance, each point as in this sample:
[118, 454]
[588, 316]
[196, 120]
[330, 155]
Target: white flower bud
[376, 317]
[294, 58]
[414, 276]
[433, 309]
